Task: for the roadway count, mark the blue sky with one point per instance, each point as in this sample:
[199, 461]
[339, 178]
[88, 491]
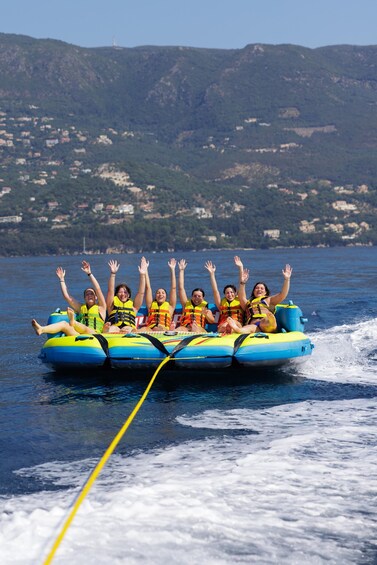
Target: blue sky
[224, 24]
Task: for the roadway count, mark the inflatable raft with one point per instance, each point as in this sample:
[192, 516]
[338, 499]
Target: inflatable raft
[187, 351]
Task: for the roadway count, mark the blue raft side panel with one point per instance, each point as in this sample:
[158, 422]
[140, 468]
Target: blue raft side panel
[272, 353]
[204, 353]
[80, 351]
[140, 355]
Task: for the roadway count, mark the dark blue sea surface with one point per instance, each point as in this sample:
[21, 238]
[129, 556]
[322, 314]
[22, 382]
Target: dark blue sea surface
[286, 454]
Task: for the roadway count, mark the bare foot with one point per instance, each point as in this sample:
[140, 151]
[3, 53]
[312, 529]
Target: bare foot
[37, 327]
[114, 329]
[71, 316]
[224, 329]
[194, 326]
[126, 330]
[233, 325]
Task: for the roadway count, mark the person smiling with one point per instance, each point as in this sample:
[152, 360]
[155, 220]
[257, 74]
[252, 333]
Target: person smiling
[195, 314]
[229, 306]
[160, 310]
[260, 307]
[90, 315]
[121, 308]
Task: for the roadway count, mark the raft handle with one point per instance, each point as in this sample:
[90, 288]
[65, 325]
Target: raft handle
[130, 335]
[260, 335]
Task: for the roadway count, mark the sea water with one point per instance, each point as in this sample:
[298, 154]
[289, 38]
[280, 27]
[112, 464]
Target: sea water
[274, 467]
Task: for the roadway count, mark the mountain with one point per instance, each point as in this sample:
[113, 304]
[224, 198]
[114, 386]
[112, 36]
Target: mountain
[179, 148]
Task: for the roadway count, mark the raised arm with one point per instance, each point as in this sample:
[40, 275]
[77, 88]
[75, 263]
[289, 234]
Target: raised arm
[143, 268]
[101, 299]
[60, 273]
[114, 266]
[211, 268]
[181, 282]
[148, 290]
[282, 295]
[243, 277]
[173, 285]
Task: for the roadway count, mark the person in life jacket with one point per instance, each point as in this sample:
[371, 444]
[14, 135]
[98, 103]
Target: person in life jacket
[160, 310]
[121, 308]
[260, 307]
[90, 315]
[229, 306]
[195, 312]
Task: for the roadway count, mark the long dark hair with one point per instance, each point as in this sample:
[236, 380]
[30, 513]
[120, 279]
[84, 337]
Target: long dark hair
[230, 286]
[200, 290]
[160, 288]
[118, 286]
[265, 286]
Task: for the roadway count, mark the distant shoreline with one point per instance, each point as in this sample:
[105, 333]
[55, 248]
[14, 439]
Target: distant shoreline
[93, 253]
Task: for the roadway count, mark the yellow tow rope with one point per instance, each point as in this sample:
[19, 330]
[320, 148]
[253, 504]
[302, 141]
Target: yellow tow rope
[101, 464]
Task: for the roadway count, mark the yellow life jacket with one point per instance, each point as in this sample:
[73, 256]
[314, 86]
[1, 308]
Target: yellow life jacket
[230, 310]
[122, 314]
[91, 317]
[192, 312]
[159, 315]
[254, 311]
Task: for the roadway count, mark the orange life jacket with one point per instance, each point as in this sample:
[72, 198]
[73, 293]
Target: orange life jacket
[230, 310]
[159, 315]
[192, 312]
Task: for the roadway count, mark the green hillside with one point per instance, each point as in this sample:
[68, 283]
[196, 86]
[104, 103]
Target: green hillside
[157, 148]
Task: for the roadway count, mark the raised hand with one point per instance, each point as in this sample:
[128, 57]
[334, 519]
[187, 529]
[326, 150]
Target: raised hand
[86, 267]
[287, 272]
[238, 262]
[60, 272]
[143, 267]
[210, 266]
[245, 275]
[172, 263]
[114, 266]
[182, 265]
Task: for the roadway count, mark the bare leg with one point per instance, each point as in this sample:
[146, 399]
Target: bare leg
[225, 328]
[195, 328]
[108, 328]
[55, 328]
[78, 326]
[83, 329]
[71, 316]
[249, 329]
[37, 327]
[126, 330]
